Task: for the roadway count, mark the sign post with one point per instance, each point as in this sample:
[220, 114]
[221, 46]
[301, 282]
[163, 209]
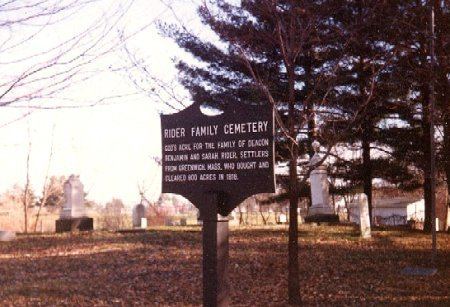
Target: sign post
[215, 255]
[216, 162]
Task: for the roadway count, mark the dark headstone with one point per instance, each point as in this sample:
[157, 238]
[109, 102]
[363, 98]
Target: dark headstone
[73, 224]
[138, 216]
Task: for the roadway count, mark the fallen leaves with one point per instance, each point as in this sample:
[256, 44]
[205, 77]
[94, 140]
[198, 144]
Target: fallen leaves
[163, 267]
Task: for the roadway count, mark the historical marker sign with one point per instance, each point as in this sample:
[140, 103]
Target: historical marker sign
[231, 153]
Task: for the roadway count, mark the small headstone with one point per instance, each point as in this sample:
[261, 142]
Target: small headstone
[183, 221]
[138, 216]
[143, 223]
[6, 236]
[364, 217]
[283, 218]
[73, 214]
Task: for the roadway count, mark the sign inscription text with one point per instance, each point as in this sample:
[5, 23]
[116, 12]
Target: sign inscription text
[231, 153]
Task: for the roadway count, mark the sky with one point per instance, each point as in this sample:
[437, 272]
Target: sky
[111, 145]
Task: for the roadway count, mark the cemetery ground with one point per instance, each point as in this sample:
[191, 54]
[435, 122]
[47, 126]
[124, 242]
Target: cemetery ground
[162, 266]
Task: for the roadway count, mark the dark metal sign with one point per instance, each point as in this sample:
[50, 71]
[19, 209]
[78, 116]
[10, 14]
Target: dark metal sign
[231, 154]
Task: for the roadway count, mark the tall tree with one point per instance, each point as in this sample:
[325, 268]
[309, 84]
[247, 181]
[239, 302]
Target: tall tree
[391, 106]
[360, 92]
[442, 73]
[275, 52]
[416, 73]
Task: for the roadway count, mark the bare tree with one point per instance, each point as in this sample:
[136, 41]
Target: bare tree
[114, 217]
[241, 215]
[36, 77]
[45, 186]
[152, 207]
[26, 191]
[167, 95]
[47, 47]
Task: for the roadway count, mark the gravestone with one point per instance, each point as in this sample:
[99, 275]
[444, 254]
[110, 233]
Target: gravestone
[364, 217]
[139, 219]
[320, 210]
[73, 214]
[144, 223]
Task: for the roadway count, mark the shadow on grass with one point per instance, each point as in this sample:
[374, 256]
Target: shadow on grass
[164, 267]
[94, 238]
[151, 275]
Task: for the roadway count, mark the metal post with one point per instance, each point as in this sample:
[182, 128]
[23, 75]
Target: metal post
[432, 143]
[215, 255]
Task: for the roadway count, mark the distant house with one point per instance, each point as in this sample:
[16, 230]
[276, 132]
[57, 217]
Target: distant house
[386, 211]
[392, 211]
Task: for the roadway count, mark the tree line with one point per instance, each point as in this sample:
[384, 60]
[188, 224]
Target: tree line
[352, 74]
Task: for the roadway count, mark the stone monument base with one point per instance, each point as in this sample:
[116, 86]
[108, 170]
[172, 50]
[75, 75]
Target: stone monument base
[322, 218]
[75, 223]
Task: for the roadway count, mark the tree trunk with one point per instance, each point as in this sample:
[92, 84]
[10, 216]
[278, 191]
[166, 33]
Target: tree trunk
[264, 219]
[38, 214]
[309, 112]
[25, 216]
[367, 129]
[367, 164]
[444, 97]
[293, 270]
[26, 193]
[426, 139]
[446, 155]
[309, 109]
[241, 216]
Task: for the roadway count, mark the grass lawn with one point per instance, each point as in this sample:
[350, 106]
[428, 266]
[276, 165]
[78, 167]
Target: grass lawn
[163, 266]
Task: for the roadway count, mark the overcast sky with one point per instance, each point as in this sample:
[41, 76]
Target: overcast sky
[111, 145]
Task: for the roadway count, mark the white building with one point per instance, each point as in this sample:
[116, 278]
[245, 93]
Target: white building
[392, 211]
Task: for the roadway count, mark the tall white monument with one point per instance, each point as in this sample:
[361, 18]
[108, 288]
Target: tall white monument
[73, 214]
[74, 198]
[320, 210]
